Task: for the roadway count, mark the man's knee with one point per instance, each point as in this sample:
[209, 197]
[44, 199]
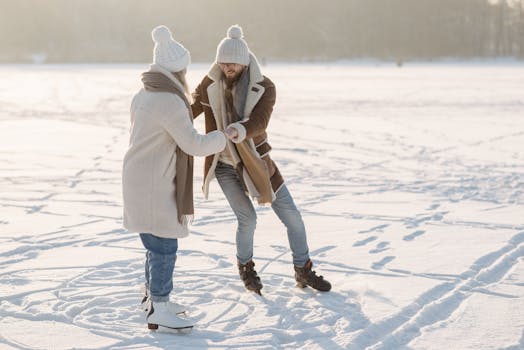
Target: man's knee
[247, 221]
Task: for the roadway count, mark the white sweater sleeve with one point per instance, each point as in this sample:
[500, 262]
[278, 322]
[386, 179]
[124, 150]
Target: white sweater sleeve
[177, 123]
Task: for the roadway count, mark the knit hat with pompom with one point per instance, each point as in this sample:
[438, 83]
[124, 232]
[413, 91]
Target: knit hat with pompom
[168, 53]
[233, 49]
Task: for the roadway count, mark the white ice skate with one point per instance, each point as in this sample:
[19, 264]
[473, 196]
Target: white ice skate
[160, 315]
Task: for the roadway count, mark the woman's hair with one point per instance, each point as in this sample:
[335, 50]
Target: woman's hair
[181, 77]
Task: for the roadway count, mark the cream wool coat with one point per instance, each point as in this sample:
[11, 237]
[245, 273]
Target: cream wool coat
[159, 123]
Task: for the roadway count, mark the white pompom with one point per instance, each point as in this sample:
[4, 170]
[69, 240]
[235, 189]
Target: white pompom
[235, 32]
[161, 34]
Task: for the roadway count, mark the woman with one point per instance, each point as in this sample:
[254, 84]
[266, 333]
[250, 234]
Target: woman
[158, 172]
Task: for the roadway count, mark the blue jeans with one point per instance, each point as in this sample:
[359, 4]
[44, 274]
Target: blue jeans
[160, 263]
[246, 215]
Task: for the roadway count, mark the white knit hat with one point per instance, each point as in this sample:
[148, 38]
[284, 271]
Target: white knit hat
[233, 49]
[168, 53]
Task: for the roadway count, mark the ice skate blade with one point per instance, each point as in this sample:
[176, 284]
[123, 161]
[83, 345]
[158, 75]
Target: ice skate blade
[156, 327]
[257, 292]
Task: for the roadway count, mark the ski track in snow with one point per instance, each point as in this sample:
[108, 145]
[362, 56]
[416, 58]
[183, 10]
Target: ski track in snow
[391, 176]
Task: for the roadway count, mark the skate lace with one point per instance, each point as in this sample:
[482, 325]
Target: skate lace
[313, 274]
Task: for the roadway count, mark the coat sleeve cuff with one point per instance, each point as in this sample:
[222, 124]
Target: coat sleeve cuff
[241, 132]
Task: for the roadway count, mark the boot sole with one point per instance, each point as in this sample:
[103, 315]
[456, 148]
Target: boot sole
[304, 285]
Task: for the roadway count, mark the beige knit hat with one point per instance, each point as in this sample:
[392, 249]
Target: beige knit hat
[168, 53]
[233, 49]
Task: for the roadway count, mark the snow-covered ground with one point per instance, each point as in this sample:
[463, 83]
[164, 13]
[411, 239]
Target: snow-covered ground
[410, 181]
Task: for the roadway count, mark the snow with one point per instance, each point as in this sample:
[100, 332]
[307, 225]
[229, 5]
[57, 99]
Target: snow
[410, 181]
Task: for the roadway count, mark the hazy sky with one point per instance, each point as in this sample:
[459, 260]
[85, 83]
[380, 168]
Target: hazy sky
[119, 30]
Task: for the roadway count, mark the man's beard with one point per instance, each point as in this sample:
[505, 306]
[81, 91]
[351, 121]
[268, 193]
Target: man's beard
[230, 81]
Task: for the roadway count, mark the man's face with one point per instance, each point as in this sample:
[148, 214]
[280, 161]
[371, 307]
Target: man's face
[231, 70]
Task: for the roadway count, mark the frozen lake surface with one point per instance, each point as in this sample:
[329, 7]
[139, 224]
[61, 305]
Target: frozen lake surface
[410, 182]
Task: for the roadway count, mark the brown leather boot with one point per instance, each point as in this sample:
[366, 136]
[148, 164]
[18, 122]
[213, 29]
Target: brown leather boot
[249, 276]
[305, 276]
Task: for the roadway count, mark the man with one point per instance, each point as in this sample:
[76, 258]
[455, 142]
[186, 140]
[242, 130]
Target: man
[237, 98]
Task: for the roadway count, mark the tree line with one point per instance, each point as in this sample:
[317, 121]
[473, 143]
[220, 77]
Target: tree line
[119, 30]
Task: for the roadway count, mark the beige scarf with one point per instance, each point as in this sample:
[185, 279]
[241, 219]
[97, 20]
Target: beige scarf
[158, 82]
[251, 162]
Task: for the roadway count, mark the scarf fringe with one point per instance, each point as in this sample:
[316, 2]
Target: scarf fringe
[187, 220]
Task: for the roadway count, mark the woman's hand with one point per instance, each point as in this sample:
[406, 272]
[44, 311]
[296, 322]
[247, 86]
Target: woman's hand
[231, 133]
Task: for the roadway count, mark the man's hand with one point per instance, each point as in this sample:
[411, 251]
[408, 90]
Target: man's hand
[231, 133]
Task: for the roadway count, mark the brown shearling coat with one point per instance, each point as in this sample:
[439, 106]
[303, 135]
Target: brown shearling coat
[259, 106]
